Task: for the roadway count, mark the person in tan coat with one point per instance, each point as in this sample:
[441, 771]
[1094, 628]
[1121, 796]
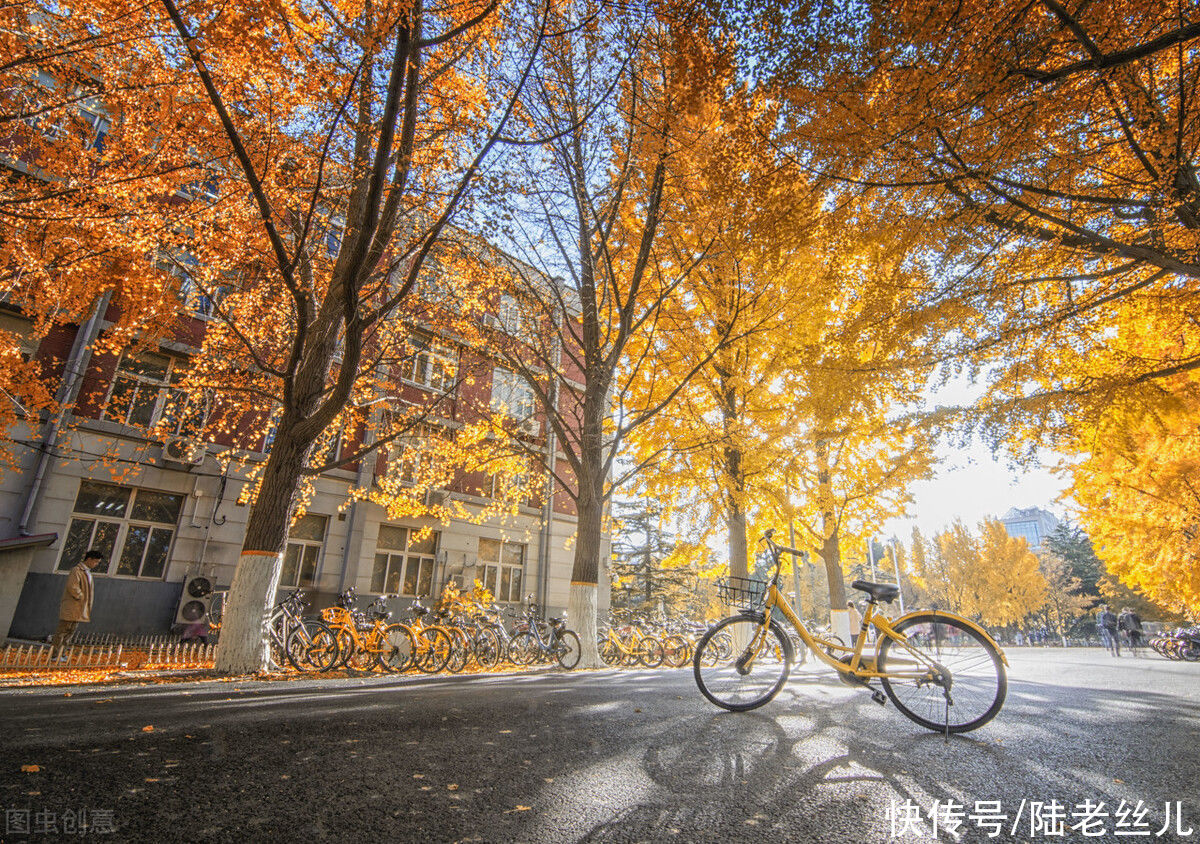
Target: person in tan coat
[76, 603]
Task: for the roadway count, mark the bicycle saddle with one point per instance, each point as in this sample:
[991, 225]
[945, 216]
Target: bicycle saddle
[885, 592]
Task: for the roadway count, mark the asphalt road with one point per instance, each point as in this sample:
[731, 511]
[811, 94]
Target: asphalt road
[601, 756]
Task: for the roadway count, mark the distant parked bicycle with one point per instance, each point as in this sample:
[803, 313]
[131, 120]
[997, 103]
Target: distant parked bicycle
[543, 641]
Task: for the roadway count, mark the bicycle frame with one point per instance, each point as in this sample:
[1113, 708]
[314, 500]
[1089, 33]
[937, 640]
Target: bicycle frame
[859, 667]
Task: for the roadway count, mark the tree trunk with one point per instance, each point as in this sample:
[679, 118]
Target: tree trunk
[589, 527]
[581, 609]
[739, 555]
[830, 549]
[735, 483]
[242, 648]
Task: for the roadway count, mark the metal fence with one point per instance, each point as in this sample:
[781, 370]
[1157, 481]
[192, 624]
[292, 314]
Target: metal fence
[141, 652]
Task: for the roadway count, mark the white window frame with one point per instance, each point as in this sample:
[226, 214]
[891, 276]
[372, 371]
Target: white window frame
[161, 387]
[511, 395]
[121, 525]
[433, 364]
[305, 548]
[509, 315]
[400, 562]
[492, 571]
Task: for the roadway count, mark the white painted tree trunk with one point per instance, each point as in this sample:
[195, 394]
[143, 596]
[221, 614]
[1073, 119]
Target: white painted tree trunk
[242, 647]
[581, 617]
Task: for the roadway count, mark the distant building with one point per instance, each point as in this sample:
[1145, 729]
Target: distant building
[1033, 524]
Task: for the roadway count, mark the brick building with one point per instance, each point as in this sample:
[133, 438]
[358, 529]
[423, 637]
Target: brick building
[164, 509]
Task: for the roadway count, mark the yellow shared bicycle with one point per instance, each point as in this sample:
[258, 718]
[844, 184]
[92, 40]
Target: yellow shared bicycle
[941, 670]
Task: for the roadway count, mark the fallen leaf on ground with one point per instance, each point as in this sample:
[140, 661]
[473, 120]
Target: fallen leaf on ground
[149, 728]
[452, 787]
[518, 809]
[418, 776]
[30, 769]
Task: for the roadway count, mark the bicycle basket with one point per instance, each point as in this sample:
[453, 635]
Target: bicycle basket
[742, 593]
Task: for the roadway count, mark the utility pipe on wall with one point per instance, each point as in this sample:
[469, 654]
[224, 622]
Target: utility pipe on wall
[68, 391]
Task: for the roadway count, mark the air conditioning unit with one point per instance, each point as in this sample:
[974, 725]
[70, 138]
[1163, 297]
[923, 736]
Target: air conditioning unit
[195, 603]
[183, 450]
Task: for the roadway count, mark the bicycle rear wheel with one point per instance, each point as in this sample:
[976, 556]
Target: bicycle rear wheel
[739, 666]
[965, 660]
[650, 653]
[610, 653]
[461, 651]
[523, 649]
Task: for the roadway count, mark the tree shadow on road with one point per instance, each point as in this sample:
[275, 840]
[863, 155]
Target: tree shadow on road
[596, 756]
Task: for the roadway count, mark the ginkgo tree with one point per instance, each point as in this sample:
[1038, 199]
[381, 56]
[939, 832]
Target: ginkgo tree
[298, 168]
[1047, 152]
[622, 107]
[809, 417]
[990, 576]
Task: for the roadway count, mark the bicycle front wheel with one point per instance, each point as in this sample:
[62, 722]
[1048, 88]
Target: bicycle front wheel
[739, 665]
[488, 648]
[569, 649]
[398, 648]
[313, 646]
[966, 688]
[650, 653]
[523, 649]
[675, 651]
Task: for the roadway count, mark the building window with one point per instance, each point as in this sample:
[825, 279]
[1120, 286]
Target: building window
[433, 364]
[21, 332]
[140, 388]
[503, 565]
[305, 540]
[511, 395]
[404, 562]
[509, 316]
[185, 414]
[139, 522]
[1025, 530]
[409, 457]
[182, 269]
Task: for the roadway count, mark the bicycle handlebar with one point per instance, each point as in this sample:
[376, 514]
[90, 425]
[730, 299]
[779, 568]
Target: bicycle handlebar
[775, 546]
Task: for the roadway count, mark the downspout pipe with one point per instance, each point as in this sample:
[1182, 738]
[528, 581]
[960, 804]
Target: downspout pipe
[67, 393]
[545, 539]
[365, 475]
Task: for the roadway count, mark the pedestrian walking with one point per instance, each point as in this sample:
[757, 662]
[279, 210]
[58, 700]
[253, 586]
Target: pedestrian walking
[76, 603]
[1131, 623]
[1106, 623]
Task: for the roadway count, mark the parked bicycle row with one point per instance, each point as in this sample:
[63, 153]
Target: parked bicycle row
[463, 633]
[1183, 644]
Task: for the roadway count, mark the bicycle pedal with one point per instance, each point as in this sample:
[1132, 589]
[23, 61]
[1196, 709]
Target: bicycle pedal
[879, 697]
